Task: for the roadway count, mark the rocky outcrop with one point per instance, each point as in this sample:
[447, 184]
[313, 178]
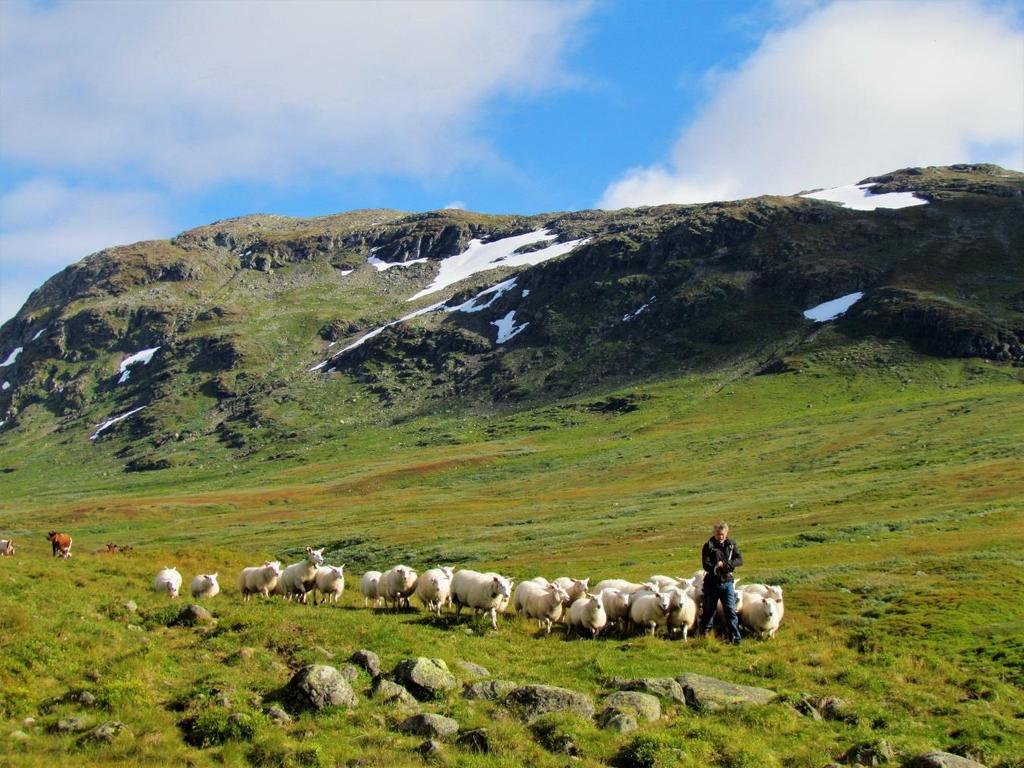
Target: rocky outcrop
[424, 678]
[708, 693]
[943, 760]
[429, 724]
[532, 701]
[318, 687]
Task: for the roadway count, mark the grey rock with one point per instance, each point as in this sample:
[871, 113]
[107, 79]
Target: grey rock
[943, 760]
[107, 732]
[391, 692]
[476, 740]
[193, 614]
[28, 722]
[473, 670]
[424, 678]
[350, 673]
[664, 687]
[429, 724]
[131, 606]
[431, 750]
[530, 701]
[869, 753]
[133, 627]
[278, 715]
[808, 707]
[708, 693]
[368, 660]
[488, 690]
[318, 687]
[616, 720]
[643, 705]
[72, 724]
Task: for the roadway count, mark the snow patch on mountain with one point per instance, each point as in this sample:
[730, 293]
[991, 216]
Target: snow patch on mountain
[110, 422]
[139, 357]
[830, 310]
[507, 327]
[859, 197]
[12, 357]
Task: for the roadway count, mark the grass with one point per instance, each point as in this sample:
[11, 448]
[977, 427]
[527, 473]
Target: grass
[886, 497]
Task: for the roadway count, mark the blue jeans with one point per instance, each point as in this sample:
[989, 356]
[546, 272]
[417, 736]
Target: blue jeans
[726, 593]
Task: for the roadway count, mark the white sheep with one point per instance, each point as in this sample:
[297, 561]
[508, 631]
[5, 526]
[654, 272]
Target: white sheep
[396, 585]
[764, 590]
[168, 580]
[434, 589]
[540, 580]
[683, 612]
[762, 614]
[664, 582]
[649, 610]
[299, 578]
[587, 613]
[369, 587]
[260, 579]
[545, 604]
[626, 586]
[6, 547]
[616, 606]
[205, 586]
[574, 588]
[483, 592]
[330, 582]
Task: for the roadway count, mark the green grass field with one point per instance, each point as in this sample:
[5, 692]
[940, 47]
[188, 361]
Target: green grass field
[884, 491]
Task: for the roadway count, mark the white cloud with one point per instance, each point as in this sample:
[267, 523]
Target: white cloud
[851, 90]
[45, 225]
[196, 93]
[455, 205]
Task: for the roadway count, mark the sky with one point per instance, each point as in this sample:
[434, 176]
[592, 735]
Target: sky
[124, 121]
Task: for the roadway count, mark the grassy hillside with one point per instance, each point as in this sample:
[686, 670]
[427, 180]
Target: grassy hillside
[882, 488]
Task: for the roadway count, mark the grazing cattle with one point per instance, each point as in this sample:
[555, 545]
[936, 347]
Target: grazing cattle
[6, 547]
[61, 544]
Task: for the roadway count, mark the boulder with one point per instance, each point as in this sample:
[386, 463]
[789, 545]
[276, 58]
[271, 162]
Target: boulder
[278, 715]
[869, 753]
[318, 687]
[193, 614]
[473, 670]
[350, 673]
[531, 701]
[107, 732]
[643, 705]
[488, 690]
[708, 693]
[424, 678]
[429, 724]
[476, 740]
[392, 693]
[431, 751]
[943, 760]
[616, 720]
[664, 687]
[368, 660]
[72, 724]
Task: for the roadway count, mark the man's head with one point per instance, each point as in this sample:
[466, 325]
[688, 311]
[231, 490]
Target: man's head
[720, 532]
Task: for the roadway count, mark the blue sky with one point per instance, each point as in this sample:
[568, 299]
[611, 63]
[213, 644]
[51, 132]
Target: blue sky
[127, 121]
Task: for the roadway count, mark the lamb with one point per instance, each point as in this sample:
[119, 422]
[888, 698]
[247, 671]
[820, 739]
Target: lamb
[574, 588]
[369, 586]
[330, 582]
[683, 612]
[299, 578]
[762, 615]
[483, 592]
[616, 606]
[260, 579]
[6, 547]
[649, 610]
[664, 582]
[434, 589]
[396, 585]
[205, 586]
[587, 613]
[545, 604]
[168, 580]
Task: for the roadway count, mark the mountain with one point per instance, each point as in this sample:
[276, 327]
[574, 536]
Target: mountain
[272, 331]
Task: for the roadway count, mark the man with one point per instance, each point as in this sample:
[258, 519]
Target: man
[720, 557]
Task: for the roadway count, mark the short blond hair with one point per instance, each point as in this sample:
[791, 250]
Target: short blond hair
[721, 525]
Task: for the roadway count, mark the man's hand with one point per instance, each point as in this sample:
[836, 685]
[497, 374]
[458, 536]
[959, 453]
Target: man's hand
[720, 565]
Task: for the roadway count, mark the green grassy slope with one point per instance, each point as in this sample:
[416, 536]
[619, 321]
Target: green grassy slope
[882, 488]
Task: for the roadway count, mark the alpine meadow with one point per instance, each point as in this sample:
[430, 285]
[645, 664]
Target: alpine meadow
[839, 375]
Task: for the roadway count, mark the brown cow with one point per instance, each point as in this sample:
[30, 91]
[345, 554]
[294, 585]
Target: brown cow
[61, 544]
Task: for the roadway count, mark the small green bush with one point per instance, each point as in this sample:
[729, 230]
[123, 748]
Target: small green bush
[216, 725]
[641, 752]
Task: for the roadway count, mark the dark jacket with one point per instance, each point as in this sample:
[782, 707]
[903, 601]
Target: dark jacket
[726, 552]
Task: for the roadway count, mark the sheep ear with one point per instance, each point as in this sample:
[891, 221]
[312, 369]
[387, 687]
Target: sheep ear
[308, 550]
[215, 575]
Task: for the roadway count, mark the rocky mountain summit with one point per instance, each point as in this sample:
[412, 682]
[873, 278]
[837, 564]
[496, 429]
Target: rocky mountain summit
[265, 328]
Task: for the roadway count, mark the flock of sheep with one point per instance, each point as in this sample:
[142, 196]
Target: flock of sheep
[662, 603]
